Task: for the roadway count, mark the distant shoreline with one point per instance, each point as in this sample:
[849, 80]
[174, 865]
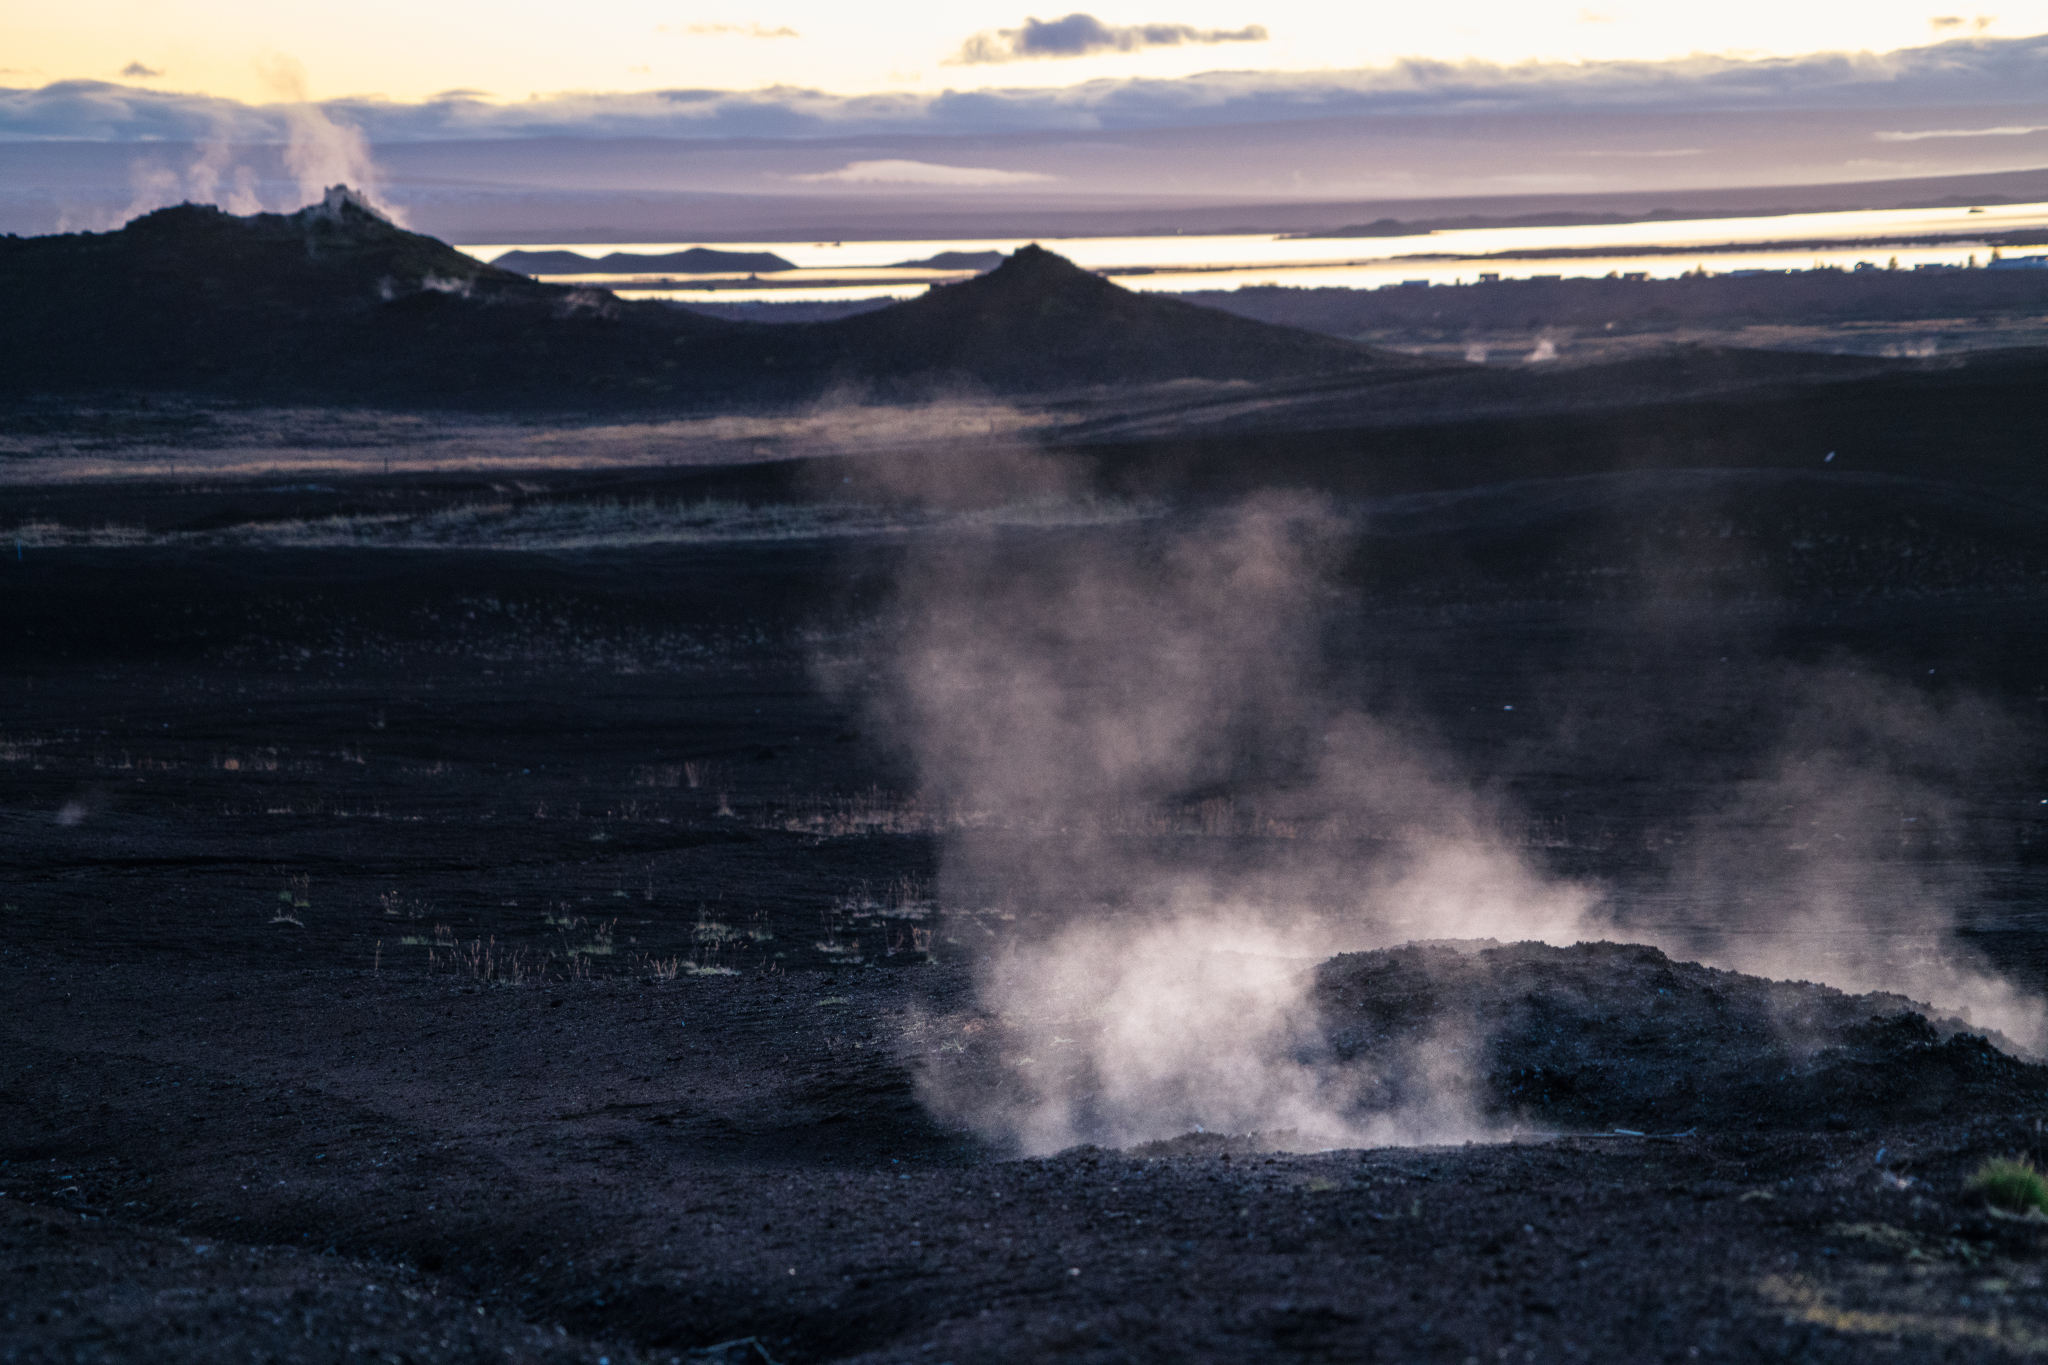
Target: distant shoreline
[1994, 241]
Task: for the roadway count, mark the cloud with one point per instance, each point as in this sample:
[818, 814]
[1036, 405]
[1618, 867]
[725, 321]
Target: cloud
[1080, 35]
[2007, 130]
[137, 71]
[1941, 22]
[735, 31]
[921, 173]
[1960, 73]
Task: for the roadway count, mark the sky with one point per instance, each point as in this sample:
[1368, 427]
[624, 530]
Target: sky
[259, 51]
[509, 116]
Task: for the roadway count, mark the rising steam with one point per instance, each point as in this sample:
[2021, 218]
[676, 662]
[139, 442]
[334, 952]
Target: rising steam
[317, 151]
[1053, 697]
[1817, 867]
[1086, 705]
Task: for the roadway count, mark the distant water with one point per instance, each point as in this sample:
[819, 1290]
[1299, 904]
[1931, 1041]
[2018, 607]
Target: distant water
[858, 270]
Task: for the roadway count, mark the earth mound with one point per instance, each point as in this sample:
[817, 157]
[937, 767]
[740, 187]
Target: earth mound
[330, 302]
[1039, 322]
[196, 262]
[1603, 1035]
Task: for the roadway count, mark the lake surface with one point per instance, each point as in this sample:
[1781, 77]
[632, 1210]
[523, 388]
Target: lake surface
[1175, 264]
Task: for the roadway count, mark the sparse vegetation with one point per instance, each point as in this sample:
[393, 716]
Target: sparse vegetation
[396, 906]
[296, 896]
[485, 960]
[2009, 1184]
[539, 524]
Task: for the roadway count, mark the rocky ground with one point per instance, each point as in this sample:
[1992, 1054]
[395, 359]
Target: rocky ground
[470, 953]
[311, 1165]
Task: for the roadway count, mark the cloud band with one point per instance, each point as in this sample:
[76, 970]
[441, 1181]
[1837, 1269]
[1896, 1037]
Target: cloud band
[920, 173]
[2013, 71]
[1081, 35]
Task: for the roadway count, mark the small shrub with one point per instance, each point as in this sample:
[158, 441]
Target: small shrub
[2011, 1185]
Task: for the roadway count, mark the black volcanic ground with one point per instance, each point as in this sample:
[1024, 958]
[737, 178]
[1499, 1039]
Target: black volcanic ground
[308, 849]
[500, 914]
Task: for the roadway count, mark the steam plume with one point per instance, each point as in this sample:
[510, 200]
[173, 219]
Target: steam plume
[1818, 866]
[1090, 710]
[1058, 700]
[320, 152]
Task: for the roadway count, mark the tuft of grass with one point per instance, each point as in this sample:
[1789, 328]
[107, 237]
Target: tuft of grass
[2011, 1185]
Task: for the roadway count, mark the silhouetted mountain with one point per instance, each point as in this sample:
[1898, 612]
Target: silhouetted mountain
[329, 302]
[1040, 322]
[697, 260]
[333, 303]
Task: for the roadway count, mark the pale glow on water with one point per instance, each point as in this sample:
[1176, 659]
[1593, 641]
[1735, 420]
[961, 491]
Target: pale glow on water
[1182, 263]
[831, 294]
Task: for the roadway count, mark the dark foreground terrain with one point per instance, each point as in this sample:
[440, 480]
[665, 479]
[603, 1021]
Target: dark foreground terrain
[228, 1162]
[524, 946]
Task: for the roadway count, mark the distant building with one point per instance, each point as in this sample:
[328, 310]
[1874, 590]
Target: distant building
[340, 198]
[1489, 277]
[2018, 263]
[1635, 274]
[1415, 284]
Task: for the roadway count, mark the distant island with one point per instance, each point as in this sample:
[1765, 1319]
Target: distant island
[697, 260]
[955, 260]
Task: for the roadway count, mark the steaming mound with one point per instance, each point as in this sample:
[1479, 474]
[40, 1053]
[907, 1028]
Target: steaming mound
[1040, 322]
[331, 301]
[1602, 1035]
[1433, 1043]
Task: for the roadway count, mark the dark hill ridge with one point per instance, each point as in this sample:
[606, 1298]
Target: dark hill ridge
[329, 302]
[1045, 323]
[333, 303]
